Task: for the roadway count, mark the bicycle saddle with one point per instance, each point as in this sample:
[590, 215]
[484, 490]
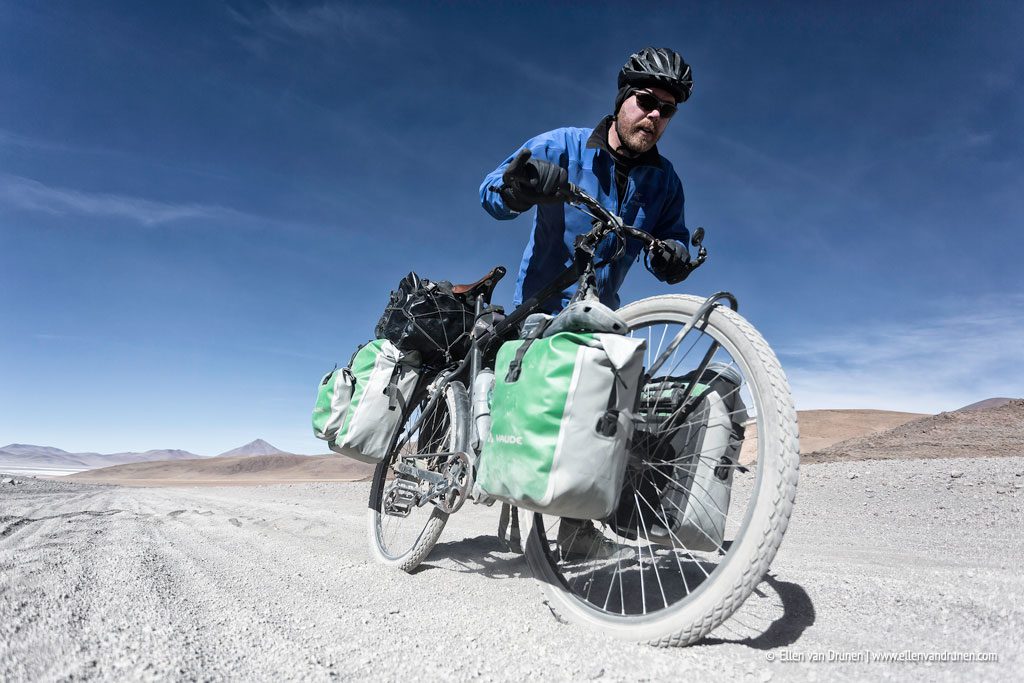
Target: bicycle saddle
[484, 285]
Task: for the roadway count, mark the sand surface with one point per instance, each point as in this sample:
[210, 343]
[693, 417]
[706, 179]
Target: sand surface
[894, 547]
[275, 582]
[236, 471]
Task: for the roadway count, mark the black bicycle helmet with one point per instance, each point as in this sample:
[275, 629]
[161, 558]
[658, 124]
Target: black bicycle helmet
[657, 67]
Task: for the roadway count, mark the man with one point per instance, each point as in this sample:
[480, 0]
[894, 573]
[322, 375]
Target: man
[618, 164]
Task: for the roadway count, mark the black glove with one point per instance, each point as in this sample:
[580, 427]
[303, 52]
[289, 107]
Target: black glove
[529, 181]
[670, 261]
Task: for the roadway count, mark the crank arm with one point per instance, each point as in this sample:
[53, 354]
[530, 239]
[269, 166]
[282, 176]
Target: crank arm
[420, 474]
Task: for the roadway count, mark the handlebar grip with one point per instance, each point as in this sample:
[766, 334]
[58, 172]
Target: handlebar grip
[570, 192]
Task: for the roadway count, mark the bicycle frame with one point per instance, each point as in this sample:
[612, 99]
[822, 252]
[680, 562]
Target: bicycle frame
[605, 223]
[669, 492]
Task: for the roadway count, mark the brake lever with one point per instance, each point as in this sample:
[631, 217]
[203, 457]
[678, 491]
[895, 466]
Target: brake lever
[657, 246]
[702, 254]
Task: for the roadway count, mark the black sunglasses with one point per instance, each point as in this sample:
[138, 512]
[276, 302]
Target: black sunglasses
[648, 102]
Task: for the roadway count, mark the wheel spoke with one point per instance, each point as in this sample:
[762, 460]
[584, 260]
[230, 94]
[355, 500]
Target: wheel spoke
[660, 571]
[650, 549]
[679, 528]
[404, 540]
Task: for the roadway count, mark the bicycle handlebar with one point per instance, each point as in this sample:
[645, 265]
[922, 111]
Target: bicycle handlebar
[606, 221]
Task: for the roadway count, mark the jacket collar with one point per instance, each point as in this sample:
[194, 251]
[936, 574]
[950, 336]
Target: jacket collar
[599, 140]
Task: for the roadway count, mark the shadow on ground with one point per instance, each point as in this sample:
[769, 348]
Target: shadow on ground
[797, 615]
[486, 555]
[490, 556]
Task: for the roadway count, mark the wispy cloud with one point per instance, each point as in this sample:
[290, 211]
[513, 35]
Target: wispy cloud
[325, 19]
[279, 22]
[763, 164]
[25, 193]
[57, 149]
[531, 75]
[47, 337]
[929, 365]
[11, 139]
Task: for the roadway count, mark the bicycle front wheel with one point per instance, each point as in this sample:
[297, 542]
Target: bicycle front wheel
[403, 529]
[643, 575]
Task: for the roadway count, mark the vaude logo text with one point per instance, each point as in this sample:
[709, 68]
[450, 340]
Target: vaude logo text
[507, 438]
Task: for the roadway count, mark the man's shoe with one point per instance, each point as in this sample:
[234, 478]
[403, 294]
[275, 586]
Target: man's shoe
[581, 540]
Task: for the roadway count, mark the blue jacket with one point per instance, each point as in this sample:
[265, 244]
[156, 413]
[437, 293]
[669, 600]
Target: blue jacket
[653, 202]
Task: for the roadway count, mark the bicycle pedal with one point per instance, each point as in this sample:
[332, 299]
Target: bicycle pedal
[401, 498]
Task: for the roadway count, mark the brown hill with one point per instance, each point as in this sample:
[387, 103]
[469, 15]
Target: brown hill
[984, 432]
[822, 428]
[241, 470]
[988, 403]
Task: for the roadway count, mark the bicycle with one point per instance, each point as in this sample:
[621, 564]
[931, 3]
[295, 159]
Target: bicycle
[654, 587]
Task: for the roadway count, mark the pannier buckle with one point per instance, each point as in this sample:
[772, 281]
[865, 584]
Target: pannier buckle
[608, 424]
[513, 372]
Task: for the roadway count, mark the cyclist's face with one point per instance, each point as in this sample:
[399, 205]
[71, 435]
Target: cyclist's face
[638, 130]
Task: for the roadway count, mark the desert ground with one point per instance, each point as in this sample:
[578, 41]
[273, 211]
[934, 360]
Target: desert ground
[235, 471]
[274, 581]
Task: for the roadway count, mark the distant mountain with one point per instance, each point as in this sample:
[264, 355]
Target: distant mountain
[22, 456]
[19, 455]
[987, 403]
[30, 450]
[257, 447]
[157, 454]
[25, 457]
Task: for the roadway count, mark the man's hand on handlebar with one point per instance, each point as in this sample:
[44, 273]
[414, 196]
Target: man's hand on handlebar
[669, 261]
[529, 181]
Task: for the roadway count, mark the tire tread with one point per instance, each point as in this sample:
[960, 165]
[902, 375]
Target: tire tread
[460, 416]
[683, 628]
[788, 468]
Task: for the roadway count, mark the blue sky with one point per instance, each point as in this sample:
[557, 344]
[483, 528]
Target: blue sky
[203, 206]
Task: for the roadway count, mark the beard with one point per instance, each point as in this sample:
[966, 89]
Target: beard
[636, 138]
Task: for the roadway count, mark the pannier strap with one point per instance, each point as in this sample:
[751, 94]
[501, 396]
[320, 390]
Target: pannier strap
[484, 285]
[391, 390]
[516, 366]
[608, 423]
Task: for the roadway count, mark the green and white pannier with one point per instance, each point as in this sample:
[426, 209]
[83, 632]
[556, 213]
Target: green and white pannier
[359, 408]
[561, 419]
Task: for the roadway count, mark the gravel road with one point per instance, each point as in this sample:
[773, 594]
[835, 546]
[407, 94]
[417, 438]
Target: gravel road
[275, 582]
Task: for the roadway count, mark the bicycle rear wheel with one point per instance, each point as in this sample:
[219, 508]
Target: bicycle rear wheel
[401, 535]
[643, 579]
